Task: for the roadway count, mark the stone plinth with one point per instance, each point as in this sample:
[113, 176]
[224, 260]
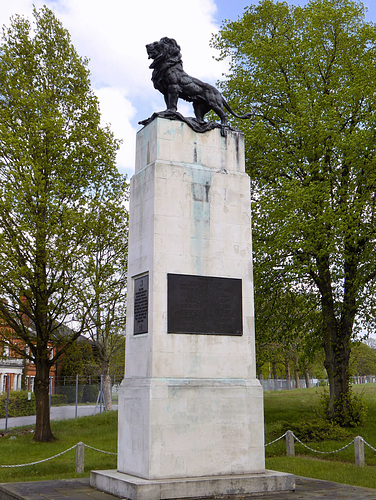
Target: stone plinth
[190, 405]
[135, 488]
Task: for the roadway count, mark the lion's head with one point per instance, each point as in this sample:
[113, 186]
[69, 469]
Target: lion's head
[165, 49]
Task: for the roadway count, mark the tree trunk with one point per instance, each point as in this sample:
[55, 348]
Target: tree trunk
[337, 355]
[307, 380]
[42, 401]
[288, 376]
[107, 386]
[275, 377]
[337, 341]
[296, 371]
[297, 381]
[274, 370]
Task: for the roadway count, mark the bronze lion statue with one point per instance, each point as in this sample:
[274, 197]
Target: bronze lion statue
[169, 78]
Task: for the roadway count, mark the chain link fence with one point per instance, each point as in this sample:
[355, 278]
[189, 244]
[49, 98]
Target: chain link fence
[280, 384]
[82, 390]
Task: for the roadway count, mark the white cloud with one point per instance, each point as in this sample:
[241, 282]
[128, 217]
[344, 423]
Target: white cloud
[117, 111]
[113, 35]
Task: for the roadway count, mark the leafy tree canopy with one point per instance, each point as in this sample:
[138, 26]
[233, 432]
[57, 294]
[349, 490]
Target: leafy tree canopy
[57, 166]
[309, 75]
[362, 360]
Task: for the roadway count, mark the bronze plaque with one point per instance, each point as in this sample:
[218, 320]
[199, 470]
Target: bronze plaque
[204, 305]
[141, 305]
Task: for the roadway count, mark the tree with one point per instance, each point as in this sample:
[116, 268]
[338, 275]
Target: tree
[362, 359]
[309, 76]
[286, 326]
[104, 286]
[54, 160]
[79, 360]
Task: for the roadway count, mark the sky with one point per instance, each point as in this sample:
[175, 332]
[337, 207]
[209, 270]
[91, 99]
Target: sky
[113, 35]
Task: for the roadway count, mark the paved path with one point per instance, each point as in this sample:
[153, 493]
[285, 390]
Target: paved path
[79, 489]
[57, 413]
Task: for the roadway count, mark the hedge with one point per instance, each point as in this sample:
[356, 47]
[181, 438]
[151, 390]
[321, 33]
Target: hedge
[70, 392]
[87, 393]
[58, 399]
[90, 394]
[19, 404]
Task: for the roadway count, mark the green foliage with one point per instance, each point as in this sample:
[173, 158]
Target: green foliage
[308, 75]
[318, 430]
[352, 410]
[99, 431]
[286, 328]
[58, 399]
[57, 176]
[79, 360]
[19, 404]
[285, 409]
[69, 392]
[86, 393]
[362, 360]
[90, 393]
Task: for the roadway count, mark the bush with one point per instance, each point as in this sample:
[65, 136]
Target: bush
[351, 409]
[59, 399]
[318, 430]
[90, 393]
[19, 404]
[70, 392]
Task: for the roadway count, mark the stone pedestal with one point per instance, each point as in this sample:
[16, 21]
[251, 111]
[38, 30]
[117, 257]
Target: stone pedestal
[190, 406]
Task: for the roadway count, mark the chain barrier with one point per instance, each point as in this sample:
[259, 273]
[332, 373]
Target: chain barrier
[271, 442]
[372, 448]
[55, 456]
[323, 452]
[39, 461]
[112, 453]
[102, 451]
[319, 451]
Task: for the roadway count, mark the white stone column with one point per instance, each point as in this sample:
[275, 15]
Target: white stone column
[190, 404]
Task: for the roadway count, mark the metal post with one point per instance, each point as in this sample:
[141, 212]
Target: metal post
[7, 405]
[100, 407]
[359, 451]
[75, 413]
[290, 448]
[80, 457]
[50, 392]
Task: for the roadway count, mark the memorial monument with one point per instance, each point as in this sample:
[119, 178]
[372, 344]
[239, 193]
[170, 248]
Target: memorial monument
[190, 406]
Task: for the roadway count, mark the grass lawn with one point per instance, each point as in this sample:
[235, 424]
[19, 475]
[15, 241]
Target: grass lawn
[99, 431]
[282, 410]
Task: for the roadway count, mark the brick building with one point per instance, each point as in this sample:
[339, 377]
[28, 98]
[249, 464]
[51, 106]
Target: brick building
[19, 372]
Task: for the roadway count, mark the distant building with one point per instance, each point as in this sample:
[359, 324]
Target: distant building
[18, 371]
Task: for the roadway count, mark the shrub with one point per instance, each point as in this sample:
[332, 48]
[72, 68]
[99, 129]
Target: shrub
[19, 404]
[59, 399]
[351, 409]
[90, 393]
[70, 392]
[318, 430]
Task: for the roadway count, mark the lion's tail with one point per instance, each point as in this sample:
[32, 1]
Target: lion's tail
[246, 116]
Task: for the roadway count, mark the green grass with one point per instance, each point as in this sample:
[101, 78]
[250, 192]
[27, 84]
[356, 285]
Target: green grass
[338, 472]
[17, 447]
[284, 408]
